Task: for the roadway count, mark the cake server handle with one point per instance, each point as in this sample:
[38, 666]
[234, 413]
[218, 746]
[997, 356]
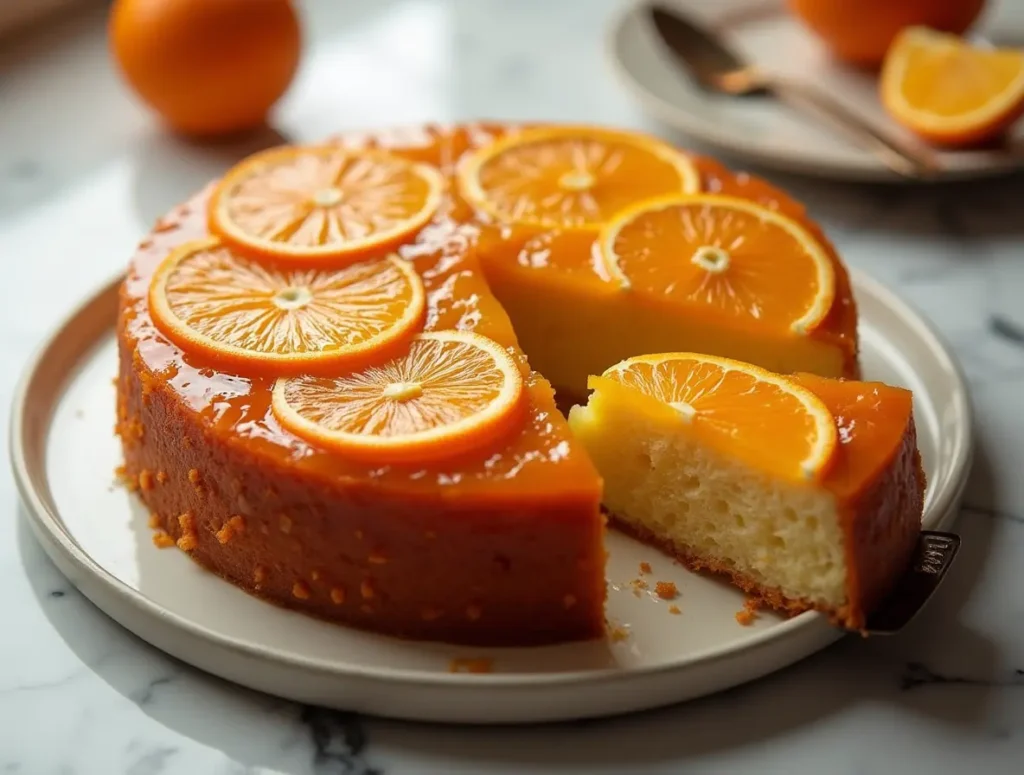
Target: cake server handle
[933, 555]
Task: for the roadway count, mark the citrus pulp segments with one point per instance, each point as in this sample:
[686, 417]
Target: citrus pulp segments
[695, 385]
[324, 203]
[578, 174]
[710, 213]
[451, 392]
[944, 89]
[213, 302]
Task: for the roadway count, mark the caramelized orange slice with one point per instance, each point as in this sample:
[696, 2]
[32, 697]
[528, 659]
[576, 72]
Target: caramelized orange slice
[764, 419]
[324, 203]
[213, 302]
[950, 92]
[451, 392]
[569, 177]
[732, 257]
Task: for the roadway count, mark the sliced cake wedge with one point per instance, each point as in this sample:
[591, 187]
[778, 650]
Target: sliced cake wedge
[804, 491]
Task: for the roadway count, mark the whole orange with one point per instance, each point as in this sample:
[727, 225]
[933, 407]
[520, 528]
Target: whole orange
[207, 67]
[860, 31]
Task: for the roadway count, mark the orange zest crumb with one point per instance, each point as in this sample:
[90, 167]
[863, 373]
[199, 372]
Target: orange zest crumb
[300, 589]
[337, 595]
[471, 665]
[193, 475]
[314, 575]
[674, 609]
[474, 612]
[748, 614]
[285, 523]
[666, 590]
[377, 558]
[231, 528]
[187, 541]
[162, 540]
[366, 590]
[645, 567]
[259, 574]
[161, 477]
[154, 520]
[146, 480]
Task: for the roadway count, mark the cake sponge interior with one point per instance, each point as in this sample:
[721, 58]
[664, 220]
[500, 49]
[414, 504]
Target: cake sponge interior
[771, 536]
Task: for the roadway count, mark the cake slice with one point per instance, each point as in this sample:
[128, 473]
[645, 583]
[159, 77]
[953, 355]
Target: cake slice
[806, 492]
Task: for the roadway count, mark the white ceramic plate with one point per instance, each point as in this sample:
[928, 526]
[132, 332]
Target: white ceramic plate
[64, 455]
[761, 130]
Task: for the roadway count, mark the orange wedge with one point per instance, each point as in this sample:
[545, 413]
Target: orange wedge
[950, 92]
[324, 203]
[451, 392]
[571, 177]
[213, 302]
[732, 257]
[766, 420]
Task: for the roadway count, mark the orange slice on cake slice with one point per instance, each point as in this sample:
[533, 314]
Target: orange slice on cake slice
[324, 203]
[213, 302]
[737, 260]
[763, 419]
[570, 177]
[451, 392]
[950, 92]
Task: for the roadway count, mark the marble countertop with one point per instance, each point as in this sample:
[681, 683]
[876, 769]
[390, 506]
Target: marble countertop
[83, 170]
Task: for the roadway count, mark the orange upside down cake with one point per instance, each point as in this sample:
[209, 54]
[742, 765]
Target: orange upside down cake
[338, 368]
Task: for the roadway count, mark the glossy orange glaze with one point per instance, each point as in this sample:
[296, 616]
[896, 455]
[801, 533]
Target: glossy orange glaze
[871, 419]
[458, 298]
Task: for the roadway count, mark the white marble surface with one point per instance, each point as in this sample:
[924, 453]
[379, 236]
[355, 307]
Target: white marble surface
[83, 170]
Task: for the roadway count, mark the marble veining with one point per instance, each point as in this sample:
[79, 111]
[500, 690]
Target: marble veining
[83, 172]
[916, 675]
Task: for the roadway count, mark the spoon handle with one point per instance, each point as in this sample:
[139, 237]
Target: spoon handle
[901, 157]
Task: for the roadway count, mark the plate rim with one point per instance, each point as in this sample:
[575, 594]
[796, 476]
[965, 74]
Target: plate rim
[789, 161]
[48, 528]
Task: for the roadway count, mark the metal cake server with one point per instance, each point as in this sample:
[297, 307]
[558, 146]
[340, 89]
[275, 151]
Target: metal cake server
[717, 68]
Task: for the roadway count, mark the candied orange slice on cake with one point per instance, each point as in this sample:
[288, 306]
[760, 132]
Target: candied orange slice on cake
[324, 203]
[571, 177]
[211, 301]
[735, 258]
[767, 421]
[950, 92]
[451, 392]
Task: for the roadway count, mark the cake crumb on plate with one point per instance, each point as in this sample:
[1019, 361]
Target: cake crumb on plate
[666, 590]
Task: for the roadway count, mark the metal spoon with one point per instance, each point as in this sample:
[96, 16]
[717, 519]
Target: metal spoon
[716, 68]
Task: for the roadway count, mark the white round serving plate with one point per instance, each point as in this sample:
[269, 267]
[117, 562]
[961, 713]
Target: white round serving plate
[762, 131]
[64, 455]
